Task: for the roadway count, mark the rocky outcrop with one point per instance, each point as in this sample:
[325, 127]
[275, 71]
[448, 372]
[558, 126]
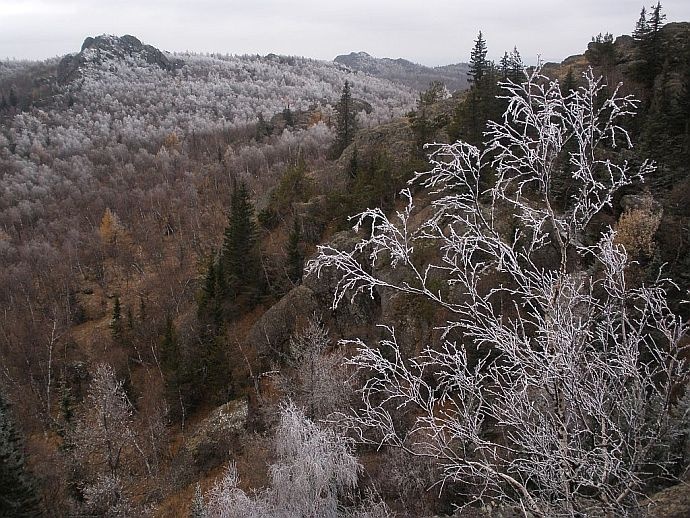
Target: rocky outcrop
[396, 138]
[102, 48]
[270, 335]
[350, 318]
[673, 502]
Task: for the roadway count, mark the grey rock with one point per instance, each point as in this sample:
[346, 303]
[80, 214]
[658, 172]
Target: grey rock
[270, 335]
[95, 50]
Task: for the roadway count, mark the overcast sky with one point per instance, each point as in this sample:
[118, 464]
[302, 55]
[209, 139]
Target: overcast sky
[432, 32]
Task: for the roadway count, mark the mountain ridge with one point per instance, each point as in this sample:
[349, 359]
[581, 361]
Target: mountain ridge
[404, 71]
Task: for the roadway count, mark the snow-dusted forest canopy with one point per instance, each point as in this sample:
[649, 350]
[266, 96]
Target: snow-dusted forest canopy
[126, 102]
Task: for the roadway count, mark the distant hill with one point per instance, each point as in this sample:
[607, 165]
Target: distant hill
[406, 72]
[134, 91]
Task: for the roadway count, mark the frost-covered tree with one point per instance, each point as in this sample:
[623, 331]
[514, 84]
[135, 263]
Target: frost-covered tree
[317, 384]
[108, 498]
[314, 471]
[552, 386]
[198, 509]
[105, 430]
[104, 447]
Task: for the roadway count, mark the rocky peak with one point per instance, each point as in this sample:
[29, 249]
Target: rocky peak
[99, 49]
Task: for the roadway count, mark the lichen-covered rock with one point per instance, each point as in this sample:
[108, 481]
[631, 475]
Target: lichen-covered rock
[395, 137]
[640, 201]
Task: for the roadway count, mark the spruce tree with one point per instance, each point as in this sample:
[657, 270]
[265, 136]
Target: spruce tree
[240, 253]
[171, 364]
[654, 43]
[116, 328]
[505, 65]
[647, 36]
[13, 99]
[641, 27]
[288, 117]
[478, 62]
[353, 164]
[295, 257]
[209, 287]
[263, 129]
[18, 496]
[569, 83]
[516, 72]
[198, 508]
[346, 122]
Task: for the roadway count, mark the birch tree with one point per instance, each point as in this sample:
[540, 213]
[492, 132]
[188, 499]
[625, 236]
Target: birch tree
[314, 476]
[317, 383]
[103, 445]
[550, 389]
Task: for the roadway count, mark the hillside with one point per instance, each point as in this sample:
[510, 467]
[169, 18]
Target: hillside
[158, 215]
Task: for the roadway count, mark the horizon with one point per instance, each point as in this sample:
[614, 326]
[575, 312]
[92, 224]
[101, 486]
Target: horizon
[438, 33]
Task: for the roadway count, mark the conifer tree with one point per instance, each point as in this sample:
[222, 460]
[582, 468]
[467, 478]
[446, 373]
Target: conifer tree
[210, 281]
[13, 99]
[647, 35]
[288, 117]
[263, 129]
[240, 254]
[18, 497]
[353, 164]
[170, 359]
[66, 401]
[641, 27]
[504, 63]
[478, 62]
[295, 257]
[516, 72]
[116, 321]
[346, 121]
[569, 83]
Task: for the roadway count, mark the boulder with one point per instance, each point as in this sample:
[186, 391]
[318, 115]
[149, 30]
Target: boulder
[270, 335]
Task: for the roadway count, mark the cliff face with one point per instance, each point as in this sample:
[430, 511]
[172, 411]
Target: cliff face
[98, 50]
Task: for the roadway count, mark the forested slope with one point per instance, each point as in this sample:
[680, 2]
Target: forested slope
[155, 217]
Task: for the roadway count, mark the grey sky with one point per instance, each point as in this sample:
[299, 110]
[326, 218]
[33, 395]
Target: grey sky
[431, 32]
